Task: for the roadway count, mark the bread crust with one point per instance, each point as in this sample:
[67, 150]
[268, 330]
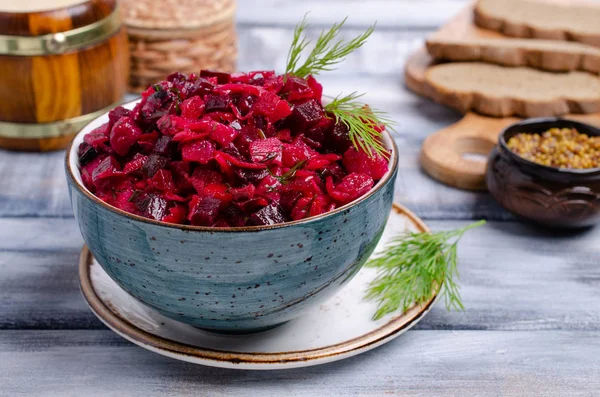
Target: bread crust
[518, 29]
[498, 52]
[503, 106]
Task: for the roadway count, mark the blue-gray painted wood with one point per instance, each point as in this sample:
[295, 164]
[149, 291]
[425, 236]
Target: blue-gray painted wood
[513, 277]
[419, 363]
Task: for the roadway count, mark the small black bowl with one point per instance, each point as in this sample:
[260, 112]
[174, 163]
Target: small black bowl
[556, 197]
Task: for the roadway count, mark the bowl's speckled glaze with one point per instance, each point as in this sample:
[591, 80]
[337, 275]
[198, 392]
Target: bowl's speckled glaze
[565, 198]
[231, 279]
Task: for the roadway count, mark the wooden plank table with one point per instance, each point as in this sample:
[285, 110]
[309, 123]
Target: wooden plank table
[532, 319]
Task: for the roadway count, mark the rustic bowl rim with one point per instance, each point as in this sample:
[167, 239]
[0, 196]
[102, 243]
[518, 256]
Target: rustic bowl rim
[528, 123]
[70, 153]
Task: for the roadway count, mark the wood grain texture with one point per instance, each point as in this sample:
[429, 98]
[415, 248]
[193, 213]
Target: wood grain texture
[506, 285]
[420, 363]
[443, 153]
[57, 20]
[62, 86]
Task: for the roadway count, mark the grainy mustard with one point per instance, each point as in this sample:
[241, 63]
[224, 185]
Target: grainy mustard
[558, 147]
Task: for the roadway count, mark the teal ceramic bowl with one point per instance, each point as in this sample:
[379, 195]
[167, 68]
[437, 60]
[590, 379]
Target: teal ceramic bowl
[235, 280]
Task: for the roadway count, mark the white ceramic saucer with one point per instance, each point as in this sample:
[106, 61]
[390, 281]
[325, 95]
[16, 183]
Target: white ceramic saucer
[339, 328]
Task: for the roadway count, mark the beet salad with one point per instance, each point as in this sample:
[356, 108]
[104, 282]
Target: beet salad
[242, 149]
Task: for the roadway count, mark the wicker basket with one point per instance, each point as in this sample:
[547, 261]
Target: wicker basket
[179, 36]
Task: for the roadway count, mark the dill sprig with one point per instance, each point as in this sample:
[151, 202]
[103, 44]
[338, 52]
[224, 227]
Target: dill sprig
[362, 121]
[326, 53]
[414, 265]
[290, 174]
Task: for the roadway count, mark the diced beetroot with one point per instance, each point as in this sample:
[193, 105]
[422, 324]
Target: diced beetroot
[296, 89]
[263, 150]
[241, 105]
[147, 142]
[288, 199]
[252, 205]
[239, 78]
[360, 162]
[123, 135]
[338, 139]
[269, 188]
[218, 190]
[86, 153]
[154, 163]
[270, 215]
[136, 163]
[98, 136]
[216, 102]
[107, 168]
[238, 163]
[156, 207]
[250, 176]
[307, 115]
[320, 205]
[307, 182]
[296, 152]
[302, 208]
[273, 83]
[192, 108]
[222, 77]
[204, 211]
[176, 77]
[190, 136]
[177, 214]
[272, 106]
[166, 126]
[246, 89]
[235, 216]
[277, 155]
[165, 146]
[200, 152]
[259, 77]
[116, 114]
[122, 200]
[285, 135]
[350, 188]
[316, 88]
[88, 169]
[321, 160]
[199, 86]
[155, 106]
[243, 193]
[163, 181]
[333, 170]
[220, 117]
[222, 134]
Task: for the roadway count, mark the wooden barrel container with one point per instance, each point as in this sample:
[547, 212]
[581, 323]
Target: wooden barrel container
[62, 63]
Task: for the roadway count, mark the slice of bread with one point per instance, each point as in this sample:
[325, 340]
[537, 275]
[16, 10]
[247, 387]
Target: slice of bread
[550, 55]
[502, 91]
[573, 21]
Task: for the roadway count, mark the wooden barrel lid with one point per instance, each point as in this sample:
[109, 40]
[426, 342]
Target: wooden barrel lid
[176, 14]
[40, 17]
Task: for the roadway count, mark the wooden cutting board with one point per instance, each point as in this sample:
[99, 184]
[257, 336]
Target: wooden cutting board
[443, 153]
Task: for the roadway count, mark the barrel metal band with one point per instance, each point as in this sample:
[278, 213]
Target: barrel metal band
[49, 130]
[58, 43]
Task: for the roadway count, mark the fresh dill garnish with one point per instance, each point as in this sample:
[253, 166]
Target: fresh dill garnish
[363, 123]
[327, 52]
[414, 265]
[290, 174]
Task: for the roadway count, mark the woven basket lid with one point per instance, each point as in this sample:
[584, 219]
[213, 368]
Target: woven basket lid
[176, 14]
